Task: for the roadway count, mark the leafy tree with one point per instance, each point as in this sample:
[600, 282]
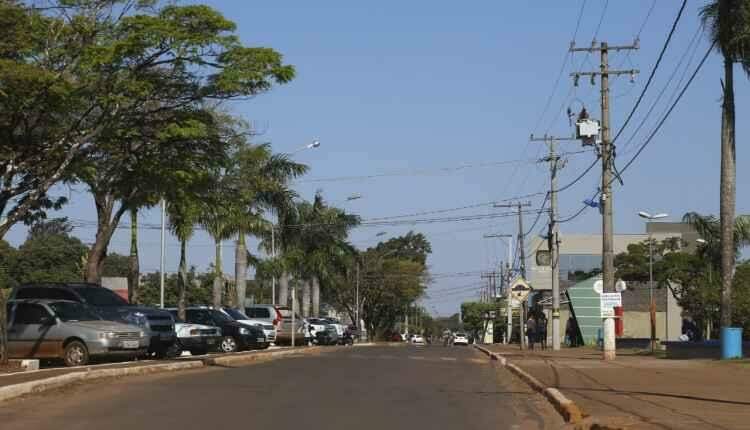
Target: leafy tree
[77, 75]
[729, 24]
[199, 292]
[49, 255]
[473, 316]
[116, 266]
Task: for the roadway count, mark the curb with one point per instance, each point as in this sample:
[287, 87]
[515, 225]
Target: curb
[570, 412]
[41, 385]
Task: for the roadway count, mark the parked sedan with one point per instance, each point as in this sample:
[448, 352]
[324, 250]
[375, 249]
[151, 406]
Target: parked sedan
[68, 330]
[235, 336]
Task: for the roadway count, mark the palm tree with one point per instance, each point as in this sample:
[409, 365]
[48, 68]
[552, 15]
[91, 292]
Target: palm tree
[214, 217]
[183, 215]
[729, 25]
[259, 181]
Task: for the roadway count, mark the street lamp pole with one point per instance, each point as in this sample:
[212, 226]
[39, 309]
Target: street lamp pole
[163, 251]
[652, 306]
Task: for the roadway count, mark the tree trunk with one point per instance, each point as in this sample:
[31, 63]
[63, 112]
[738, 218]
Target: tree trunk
[727, 196]
[315, 297]
[134, 272]
[240, 269]
[306, 289]
[182, 281]
[107, 223]
[218, 276]
[4, 294]
[284, 289]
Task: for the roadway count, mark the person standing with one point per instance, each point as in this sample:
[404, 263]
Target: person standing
[531, 331]
[541, 329]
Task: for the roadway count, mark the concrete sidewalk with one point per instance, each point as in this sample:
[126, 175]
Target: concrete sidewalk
[638, 391]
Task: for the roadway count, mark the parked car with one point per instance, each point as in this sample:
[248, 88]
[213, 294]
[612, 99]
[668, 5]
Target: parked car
[315, 326]
[198, 339]
[327, 336]
[417, 339]
[235, 336]
[460, 339]
[281, 317]
[68, 330]
[156, 323]
[268, 328]
[340, 328]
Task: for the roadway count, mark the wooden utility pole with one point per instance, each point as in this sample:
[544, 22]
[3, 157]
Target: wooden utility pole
[552, 236]
[607, 155]
[521, 247]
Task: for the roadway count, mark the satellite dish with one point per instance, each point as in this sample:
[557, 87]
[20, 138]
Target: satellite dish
[620, 286]
[599, 286]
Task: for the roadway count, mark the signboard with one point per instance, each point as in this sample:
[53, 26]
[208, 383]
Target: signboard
[608, 303]
[519, 289]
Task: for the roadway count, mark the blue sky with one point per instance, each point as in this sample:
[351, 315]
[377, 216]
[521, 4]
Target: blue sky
[395, 87]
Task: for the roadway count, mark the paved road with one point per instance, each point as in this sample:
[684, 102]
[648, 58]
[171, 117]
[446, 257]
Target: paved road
[357, 388]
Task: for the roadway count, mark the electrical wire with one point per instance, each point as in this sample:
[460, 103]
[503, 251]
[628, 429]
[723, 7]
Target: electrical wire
[653, 72]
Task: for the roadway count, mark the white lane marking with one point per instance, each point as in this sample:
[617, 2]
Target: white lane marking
[448, 358]
[414, 357]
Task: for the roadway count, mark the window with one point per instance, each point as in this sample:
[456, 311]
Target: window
[197, 316]
[258, 312]
[67, 311]
[234, 313]
[46, 293]
[28, 313]
[100, 296]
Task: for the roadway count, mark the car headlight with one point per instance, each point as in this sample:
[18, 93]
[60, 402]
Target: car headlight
[141, 334]
[194, 332]
[107, 335]
[244, 331]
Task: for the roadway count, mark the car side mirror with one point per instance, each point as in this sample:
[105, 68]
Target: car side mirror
[48, 321]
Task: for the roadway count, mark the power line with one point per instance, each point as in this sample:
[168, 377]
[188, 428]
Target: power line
[653, 71]
[669, 112]
[601, 20]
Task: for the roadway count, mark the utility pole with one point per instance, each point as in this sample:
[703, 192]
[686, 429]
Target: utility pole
[508, 279]
[273, 256]
[521, 247]
[552, 237]
[163, 251]
[607, 154]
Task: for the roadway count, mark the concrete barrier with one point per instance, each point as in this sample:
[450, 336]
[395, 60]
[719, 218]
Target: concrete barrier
[570, 412]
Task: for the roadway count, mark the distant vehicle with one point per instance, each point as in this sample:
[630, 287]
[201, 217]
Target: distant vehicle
[235, 336]
[156, 323]
[417, 339]
[266, 313]
[315, 326]
[327, 336]
[268, 328]
[460, 339]
[68, 330]
[340, 328]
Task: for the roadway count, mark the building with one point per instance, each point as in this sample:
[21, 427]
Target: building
[580, 255]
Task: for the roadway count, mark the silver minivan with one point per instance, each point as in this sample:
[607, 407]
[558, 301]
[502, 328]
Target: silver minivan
[69, 330]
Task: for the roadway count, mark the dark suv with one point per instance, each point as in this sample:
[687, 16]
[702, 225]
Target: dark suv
[156, 323]
[235, 336]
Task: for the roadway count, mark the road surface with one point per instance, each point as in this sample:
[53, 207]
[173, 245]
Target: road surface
[405, 387]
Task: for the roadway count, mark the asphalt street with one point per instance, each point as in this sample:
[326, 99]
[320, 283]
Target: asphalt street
[381, 387]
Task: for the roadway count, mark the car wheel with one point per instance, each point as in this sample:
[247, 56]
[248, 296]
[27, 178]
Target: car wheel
[228, 344]
[76, 354]
[198, 351]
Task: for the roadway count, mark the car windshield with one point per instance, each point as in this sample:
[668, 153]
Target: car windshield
[71, 312]
[460, 335]
[220, 317]
[100, 296]
[234, 313]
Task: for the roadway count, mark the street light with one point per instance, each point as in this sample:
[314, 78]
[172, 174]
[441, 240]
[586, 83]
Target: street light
[314, 144]
[652, 310]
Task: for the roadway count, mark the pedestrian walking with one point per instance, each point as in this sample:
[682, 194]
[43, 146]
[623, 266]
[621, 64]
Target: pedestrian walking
[541, 329]
[531, 331]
